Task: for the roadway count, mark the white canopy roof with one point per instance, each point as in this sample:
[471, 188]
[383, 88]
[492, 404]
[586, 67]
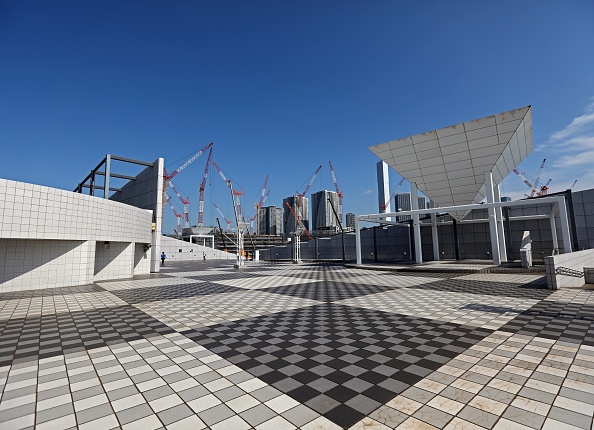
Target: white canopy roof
[448, 165]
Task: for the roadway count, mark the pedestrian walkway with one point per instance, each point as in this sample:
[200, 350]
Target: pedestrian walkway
[310, 346]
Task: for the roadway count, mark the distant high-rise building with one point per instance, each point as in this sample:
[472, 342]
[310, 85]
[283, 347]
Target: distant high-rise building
[423, 202]
[270, 220]
[301, 207]
[350, 220]
[402, 203]
[322, 215]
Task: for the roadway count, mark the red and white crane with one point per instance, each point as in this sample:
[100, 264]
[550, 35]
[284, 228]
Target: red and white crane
[185, 202]
[384, 206]
[263, 196]
[338, 191]
[298, 222]
[178, 216]
[168, 176]
[310, 182]
[235, 195]
[224, 217]
[202, 186]
[533, 184]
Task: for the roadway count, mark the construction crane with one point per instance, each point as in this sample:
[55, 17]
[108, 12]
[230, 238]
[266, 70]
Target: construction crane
[384, 206]
[168, 176]
[185, 202]
[298, 222]
[235, 195]
[178, 216]
[310, 182]
[224, 217]
[263, 197]
[338, 191]
[533, 184]
[202, 186]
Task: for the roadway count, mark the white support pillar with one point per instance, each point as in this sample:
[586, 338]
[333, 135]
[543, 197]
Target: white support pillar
[564, 225]
[492, 219]
[358, 240]
[434, 234]
[414, 204]
[500, 229]
[554, 232]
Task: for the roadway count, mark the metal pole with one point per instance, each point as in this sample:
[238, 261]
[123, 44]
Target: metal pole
[456, 242]
[434, 234]
[492, 219]
[358, 240]
[107, 173]
[554, 233]
[565, 234]
[500, 230]
[414, 204]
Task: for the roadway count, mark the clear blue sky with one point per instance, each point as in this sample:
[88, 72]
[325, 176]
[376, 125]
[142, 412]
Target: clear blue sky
[282, 87]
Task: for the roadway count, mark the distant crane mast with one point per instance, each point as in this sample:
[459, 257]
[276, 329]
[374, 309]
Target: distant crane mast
[299, 201]
[384, 206]
[258, 205]
[300, 226]
[535, 189]
[185, 202]
[224, 217]
[168, 176]
[202, 187]
[338, 191]
[235, 195]
[178, 216]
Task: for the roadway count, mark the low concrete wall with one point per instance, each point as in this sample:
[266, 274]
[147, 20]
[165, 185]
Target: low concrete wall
[179, 250]
[575, 261]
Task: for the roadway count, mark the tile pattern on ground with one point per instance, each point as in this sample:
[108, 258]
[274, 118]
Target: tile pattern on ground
[341, 361]
[368, 351]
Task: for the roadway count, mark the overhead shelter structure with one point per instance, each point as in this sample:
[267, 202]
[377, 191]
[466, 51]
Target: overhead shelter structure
[459, 166]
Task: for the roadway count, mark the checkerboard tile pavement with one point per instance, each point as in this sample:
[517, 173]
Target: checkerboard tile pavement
[126, 365]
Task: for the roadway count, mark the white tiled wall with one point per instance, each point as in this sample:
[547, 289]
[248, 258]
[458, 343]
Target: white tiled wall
[146, 192]
[190, 251]
[575, 261]
[142, 259]
[113, 261]
[27, 264]
[48, 236]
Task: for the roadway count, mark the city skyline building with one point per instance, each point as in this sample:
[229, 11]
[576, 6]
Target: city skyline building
[323, 217]
[270, 220]
[301, 207]
[350, 220]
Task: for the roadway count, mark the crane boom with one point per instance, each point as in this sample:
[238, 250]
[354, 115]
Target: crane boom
[235, 195]
[185, 202]
[298, 221]
[224, 217]
[537, 178]
[202, 186]
[385, 205]
[310, 182]
[193, 158]
[338, 191]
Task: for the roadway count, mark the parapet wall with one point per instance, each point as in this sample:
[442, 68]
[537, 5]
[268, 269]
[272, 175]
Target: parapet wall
[56, 238]
[179, 250]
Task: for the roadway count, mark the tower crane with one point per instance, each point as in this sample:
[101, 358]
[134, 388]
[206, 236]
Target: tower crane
[235, 195]
[299, 223]
[310, 182]
[533, 184]
[168, 176]
[384, 206]
[224, 217]
[185, 202]
[263, 196]
[178, 216]
[338, 191]
[202, 186]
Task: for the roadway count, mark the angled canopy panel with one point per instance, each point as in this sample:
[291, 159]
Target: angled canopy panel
[448, 165]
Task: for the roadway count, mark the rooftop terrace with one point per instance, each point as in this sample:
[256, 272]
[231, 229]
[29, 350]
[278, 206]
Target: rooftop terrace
[311, 346]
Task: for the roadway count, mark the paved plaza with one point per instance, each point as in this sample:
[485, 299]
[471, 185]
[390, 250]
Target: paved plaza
[309, 346]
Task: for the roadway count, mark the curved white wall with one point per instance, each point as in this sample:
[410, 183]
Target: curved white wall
[55, 238]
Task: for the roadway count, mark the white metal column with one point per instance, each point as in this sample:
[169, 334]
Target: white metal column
[414, 204]
[434, 234]
[554, 233]
[500, 230]
[358, 239]
[492, 219]
[564, 225]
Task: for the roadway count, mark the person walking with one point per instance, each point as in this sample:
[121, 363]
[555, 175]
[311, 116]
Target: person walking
[163, 259]
[204, 256]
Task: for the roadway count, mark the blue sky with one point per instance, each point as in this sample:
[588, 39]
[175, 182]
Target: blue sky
[281, 87]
